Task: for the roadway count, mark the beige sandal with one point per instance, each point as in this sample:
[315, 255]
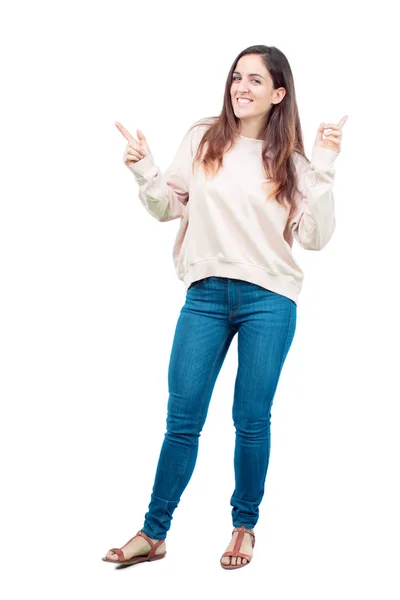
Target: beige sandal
[139, 558]
[235, 552]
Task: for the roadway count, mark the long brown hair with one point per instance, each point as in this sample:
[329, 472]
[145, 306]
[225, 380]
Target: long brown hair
[282, 135]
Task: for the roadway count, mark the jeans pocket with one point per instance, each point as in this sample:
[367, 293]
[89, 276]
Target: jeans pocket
[197, 283]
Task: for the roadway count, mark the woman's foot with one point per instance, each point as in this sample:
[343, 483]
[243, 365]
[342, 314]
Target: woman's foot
[137, 546]
[246, 548]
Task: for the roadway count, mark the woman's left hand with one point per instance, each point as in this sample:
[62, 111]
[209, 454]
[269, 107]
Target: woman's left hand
[333, 135]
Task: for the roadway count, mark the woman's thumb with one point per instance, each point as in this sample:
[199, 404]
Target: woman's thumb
[321, 131]
[140, 135]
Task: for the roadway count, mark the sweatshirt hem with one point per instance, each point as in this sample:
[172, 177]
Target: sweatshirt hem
[258, 275]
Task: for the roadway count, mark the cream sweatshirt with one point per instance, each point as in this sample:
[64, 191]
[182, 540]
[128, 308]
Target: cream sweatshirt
[228, 228]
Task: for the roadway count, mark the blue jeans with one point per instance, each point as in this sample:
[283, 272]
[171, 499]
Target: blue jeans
[216, 308]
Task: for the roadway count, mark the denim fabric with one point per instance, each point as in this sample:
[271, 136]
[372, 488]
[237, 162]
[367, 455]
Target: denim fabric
[216, 308]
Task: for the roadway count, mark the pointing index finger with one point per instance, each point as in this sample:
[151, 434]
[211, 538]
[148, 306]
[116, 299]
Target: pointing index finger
[124, 132]
[343, 121]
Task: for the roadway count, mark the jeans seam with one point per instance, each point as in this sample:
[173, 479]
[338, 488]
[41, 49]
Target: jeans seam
[287, 336]
[232, 314]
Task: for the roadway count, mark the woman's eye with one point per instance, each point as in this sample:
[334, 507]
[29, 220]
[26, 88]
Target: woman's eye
[237, 77]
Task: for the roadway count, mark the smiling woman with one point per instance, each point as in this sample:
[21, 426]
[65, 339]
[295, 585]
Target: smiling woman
[252, 193]
[253, 90]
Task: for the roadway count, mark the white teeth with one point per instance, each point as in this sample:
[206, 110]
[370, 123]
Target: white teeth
[243, 101]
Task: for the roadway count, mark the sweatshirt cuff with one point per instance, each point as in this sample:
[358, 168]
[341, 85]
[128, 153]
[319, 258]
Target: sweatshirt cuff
[143, 167]
[323, 158]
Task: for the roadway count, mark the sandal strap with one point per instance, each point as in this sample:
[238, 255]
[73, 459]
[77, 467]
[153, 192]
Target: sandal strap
[242, 530]
[118, 552]
[153, 545]
[237, 555]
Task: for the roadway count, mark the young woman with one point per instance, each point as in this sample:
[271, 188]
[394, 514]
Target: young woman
[243, 189]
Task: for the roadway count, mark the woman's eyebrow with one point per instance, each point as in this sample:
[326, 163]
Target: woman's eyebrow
[250, 74]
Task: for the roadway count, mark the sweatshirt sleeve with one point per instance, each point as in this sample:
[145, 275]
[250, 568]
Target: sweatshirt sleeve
[164, 195]
[313, 223]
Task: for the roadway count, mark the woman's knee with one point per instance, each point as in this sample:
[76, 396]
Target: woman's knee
[184, 426]
[253, 428]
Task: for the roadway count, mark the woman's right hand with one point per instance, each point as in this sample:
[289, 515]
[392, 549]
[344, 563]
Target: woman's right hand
[136, 149]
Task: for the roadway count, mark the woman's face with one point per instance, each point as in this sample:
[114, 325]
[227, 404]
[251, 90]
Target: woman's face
[252, 80]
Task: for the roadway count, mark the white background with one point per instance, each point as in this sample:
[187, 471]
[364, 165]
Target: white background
[90, 300]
